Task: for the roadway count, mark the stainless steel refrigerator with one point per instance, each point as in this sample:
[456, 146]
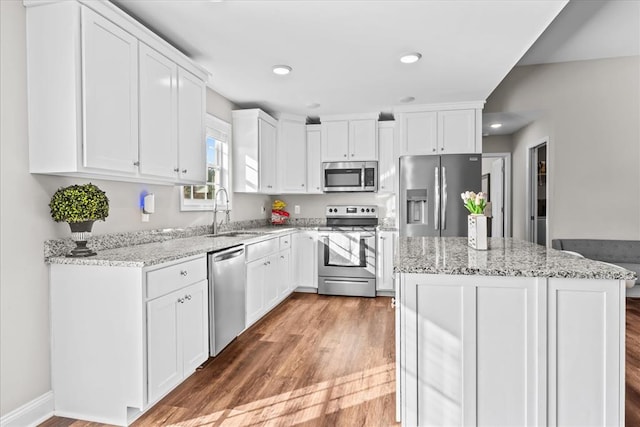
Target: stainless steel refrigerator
[430, 188]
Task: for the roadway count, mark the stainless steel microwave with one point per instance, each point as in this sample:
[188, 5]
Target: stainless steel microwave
[349, 176]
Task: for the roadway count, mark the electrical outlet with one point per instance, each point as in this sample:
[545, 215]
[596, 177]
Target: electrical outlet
[145, 217]
[296, 209]
[263, 209]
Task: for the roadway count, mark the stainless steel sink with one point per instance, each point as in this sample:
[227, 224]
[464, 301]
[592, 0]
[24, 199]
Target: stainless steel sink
[236, 234]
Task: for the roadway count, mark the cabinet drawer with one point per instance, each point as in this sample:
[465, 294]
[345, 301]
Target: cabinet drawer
[168, 279]
[285, 242]
[262, 249]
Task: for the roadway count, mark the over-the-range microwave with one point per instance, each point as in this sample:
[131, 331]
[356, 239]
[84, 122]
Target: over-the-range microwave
[349, 176]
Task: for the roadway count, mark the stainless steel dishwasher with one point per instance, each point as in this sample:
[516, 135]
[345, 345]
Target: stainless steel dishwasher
[226, 297]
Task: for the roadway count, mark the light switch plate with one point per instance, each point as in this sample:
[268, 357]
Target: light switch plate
[296, 209]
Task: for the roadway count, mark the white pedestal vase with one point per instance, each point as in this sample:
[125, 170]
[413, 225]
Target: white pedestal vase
[477, 229]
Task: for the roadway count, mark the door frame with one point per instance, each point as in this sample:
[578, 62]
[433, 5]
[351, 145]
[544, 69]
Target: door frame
[529, 181]
[506, 215]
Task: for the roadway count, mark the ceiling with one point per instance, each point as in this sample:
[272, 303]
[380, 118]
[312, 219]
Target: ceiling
[583, 30]
[345, 54]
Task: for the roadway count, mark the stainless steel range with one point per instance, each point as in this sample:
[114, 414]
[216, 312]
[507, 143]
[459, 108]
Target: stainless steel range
[347, 251]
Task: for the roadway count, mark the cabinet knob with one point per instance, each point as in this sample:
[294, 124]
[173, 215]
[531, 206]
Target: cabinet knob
[187, 297]
[317, 188]
[281, 256]
[176, 169]
[303, 185]
[183, 272]
[433, 149]
[181, 300]
[345, 155]
[352, 155]
[442, 149]
[382, 238]
[136, 163]
[184, 171]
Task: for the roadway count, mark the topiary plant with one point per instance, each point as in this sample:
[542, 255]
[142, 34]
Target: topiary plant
[79, 203]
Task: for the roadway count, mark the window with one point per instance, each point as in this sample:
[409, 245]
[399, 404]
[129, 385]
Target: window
[218, 143]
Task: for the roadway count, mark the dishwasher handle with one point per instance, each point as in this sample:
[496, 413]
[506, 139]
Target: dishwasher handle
[223, 256]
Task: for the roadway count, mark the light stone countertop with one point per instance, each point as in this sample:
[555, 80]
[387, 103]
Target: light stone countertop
[505, 257]
[148, 254]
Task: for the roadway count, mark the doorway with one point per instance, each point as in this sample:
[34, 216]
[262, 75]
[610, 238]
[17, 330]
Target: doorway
[538, 192]
[496, 183]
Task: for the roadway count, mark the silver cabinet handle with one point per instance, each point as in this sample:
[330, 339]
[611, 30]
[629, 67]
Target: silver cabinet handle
[136, 163]
[181, 300]
[184, 171]
[176, 169]
[281, 256]
[187, 297]
[436, 211]
[183, 272]
[444, 198]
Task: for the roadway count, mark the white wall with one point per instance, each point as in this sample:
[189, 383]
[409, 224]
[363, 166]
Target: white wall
[590, 110]
[25, 223]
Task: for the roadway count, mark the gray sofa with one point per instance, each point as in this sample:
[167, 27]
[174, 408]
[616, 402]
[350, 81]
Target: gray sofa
[625, 253]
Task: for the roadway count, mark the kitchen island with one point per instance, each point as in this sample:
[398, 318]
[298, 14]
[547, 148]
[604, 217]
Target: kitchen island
[514, 335]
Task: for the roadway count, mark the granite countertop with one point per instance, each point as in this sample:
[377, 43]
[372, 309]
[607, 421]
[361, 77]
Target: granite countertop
[505, 257]
[144, 255]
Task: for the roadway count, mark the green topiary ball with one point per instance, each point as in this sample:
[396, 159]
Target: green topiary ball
[79, 203]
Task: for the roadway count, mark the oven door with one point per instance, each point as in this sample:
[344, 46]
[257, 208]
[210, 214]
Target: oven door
[343, 177]
[347, 254]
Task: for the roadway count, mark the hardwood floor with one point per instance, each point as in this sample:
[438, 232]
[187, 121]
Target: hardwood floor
[313, 361]
[632, 364]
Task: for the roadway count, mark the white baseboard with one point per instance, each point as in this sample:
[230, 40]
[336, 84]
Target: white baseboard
[31, 413]
[306, 290]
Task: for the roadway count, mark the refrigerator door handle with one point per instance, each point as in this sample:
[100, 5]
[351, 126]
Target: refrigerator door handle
[436, 211]
[444, 198]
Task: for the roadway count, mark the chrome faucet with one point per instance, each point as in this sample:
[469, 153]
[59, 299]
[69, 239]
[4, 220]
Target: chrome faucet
[215, 210]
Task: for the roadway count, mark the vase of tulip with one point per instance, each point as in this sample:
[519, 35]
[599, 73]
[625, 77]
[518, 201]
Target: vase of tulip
[475, 203]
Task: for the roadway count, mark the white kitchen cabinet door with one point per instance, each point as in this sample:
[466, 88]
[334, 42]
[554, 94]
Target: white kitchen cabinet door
[363, 141]
[191, 129]
[335, 141]
[267, 147]
[110, 95]
[164, 345]
[387, 161]
[158, 112]
[292, 156]
[457, 132]
[314, 159]
[305, 261]
[271, 279]
[285, 284]
[419, 133]
[384, 263]
[255, 299]
[194, 317]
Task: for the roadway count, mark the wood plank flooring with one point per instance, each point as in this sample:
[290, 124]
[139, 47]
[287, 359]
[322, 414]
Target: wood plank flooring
[632, 364]
[313, 361]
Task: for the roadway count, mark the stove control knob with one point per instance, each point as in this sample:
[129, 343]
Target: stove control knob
[373, 209]
[367, 209]
[362, 210]
[330, 210]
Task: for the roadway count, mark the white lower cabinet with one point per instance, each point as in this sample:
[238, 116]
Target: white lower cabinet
[384, 263]
[177, 337]
[122, 337]
[268, 276]
[305, 259]
[510, 351]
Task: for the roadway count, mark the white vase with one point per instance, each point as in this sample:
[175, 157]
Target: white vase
[477, 231]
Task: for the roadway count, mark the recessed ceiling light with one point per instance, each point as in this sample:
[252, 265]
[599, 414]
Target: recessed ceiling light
[410, 58]
[407, 99]
[496, 125]
[281, 70]
[313, 105]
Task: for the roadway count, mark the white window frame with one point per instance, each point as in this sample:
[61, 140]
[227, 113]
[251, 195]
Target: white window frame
[221, 131]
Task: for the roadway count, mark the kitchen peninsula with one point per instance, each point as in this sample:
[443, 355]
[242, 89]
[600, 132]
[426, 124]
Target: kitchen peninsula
[515, 335]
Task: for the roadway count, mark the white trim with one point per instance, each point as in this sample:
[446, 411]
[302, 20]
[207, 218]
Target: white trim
[339, 117]
[530, 146]
[439, 107]
[31, 413]
[506, 215]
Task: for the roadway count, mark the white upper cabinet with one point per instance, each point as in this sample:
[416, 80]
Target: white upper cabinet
[254, 152]
[110, 95]
[440, 129]
[349, 138]
[387, 159]
[314, 160]
[104, 99]
[292, 155]
[191, 129]
[457, 131]
[158, 127]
